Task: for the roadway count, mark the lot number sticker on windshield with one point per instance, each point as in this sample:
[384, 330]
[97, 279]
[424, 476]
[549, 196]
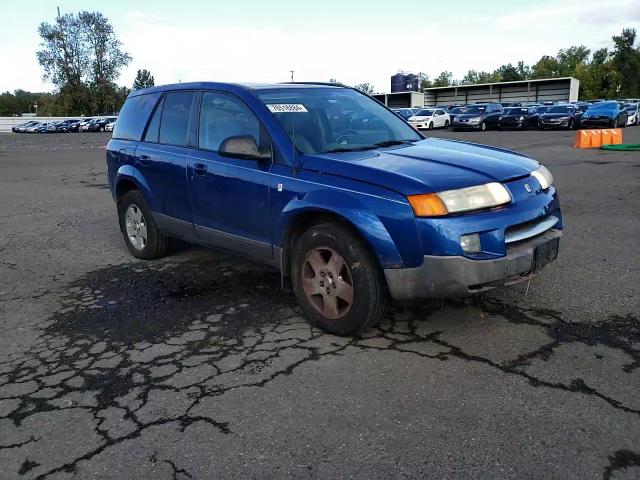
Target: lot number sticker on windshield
[286, 107]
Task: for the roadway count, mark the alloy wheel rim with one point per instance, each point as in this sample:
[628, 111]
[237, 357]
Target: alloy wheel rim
[136, 227]
[327, 282]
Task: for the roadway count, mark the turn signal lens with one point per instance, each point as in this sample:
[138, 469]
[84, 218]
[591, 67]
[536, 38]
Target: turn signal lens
[427, 205]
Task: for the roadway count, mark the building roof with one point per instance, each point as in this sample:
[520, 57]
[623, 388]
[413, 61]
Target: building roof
[474, 85]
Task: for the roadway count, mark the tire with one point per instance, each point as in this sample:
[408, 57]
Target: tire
[570, 127]
[483, 127]
[101, 129]
[446, 124]
[613, 123]
[430, 126]
[319, 246]
[156, 244]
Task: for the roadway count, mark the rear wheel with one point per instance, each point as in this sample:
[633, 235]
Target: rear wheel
[483, 126]
[430, 126]
[446, 124]
[337, 280]
[142, 236]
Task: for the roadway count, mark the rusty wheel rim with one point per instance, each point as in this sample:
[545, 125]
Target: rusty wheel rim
[327, 282]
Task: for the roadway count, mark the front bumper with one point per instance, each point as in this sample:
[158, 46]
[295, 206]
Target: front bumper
[466, 125]
[457, 276]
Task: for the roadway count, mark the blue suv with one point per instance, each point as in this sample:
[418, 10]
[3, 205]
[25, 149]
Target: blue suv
[331, 188]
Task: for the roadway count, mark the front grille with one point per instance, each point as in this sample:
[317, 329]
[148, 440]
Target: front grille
[524, 231]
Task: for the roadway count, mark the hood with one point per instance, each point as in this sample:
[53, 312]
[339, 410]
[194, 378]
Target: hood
[469, 115]
[430, 165]
[548, 116]
[416, 118]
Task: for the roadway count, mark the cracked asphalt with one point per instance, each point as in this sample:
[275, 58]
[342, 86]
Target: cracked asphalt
[200, 366]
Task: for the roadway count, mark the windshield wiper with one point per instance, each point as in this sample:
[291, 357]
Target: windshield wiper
[391, 143]
[386, 143]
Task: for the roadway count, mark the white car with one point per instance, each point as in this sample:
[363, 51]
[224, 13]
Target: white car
[633, 113]
[430, 118]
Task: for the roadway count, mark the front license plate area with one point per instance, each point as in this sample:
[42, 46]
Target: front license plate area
[545, 254]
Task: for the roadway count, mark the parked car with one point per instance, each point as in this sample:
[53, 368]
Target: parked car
[605, 114]
[99, 125]
[42, 127]
[453, 112]
[23, 126]
[559, 116]
[518, 117]
[353, 214]
[85, 125]
[52, 127]
[33, 128]
[68, 125]
[633, 113]
[481, 116]
[405, 113]
[109, 126]
[430, 118]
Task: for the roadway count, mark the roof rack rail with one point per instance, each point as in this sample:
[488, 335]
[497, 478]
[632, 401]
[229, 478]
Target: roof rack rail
[329, 84]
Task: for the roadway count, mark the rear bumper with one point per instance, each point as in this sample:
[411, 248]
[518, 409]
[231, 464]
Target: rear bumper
[457, 276]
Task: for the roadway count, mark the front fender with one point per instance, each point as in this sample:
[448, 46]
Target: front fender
[132, 174]
[351, 209]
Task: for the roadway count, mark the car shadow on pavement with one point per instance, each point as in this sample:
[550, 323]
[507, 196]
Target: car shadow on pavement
[139, 345]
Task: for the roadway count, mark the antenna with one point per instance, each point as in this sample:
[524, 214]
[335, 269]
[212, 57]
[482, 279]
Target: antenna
[291, 75]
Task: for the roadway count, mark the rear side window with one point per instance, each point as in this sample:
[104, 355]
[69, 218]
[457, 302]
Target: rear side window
[174, 125]
[134, 115]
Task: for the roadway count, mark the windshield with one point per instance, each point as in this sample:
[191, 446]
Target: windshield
[632, 107]
[516, 111]
[322, 120]
[456, 110]
[424, 113]
[474, 109]
[561, 109]
[603, 107]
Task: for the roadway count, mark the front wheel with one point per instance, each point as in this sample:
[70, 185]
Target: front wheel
[483, 126]
[337, 280]
[430, 126]
[570, 124]
[142, 236]
[446, 124]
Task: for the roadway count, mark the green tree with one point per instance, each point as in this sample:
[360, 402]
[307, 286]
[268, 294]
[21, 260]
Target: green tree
[546, 67]
[626, 60]
[569, 58]
[508, 73]
[82, 56]
[364, 87]
[423, 81]
[445, 79]
[144, 79]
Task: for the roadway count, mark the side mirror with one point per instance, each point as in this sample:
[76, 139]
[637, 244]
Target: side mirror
[242, 146]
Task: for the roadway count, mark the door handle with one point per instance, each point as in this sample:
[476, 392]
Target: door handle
[144, 160]
[200, 169]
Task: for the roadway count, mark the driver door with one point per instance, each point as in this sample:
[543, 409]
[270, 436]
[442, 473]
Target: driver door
[230, 195]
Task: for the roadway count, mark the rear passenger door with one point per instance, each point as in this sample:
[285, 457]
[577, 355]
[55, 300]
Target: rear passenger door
[161, 158]
[230, 196]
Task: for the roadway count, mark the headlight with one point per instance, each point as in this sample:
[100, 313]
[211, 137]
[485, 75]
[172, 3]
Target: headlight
[521, 119]
[462, 200]
[544, 177]
[500, 118]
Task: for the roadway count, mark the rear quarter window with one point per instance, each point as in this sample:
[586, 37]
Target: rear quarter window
[134, 115]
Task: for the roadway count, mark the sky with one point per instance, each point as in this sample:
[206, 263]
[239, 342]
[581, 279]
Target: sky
[351, 41]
